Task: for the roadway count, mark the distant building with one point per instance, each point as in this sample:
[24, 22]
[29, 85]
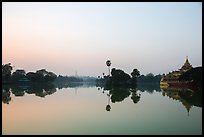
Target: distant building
[172, 78]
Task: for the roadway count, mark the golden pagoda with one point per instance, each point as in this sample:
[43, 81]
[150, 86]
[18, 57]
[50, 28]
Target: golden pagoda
[173, 77]
[186, 66]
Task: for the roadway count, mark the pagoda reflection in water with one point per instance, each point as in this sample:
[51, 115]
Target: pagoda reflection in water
[187, 97]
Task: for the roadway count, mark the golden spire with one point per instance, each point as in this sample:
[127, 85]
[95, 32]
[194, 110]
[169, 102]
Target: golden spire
[187, 59]
[186, 66]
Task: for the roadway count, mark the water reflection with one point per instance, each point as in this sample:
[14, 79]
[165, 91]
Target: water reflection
[38, 89]
[121, 110]
[187, 97]
[119, 94]
[150, 88]
[6, 95]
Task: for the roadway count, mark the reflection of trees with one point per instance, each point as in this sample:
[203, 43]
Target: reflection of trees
[187, 97]
[148, 87]
[118, 94]
[40, 90]
[61, 85]
[108, 107]
[6, 95]
[18, 90]
[65, 84]
[135, 97]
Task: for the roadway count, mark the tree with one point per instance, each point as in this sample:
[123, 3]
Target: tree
[108, 63]
[43, 72]
[150, 75]
[135, 97]
[135, 73]
[32, 76]
[50, 77]
[103, 75]
[18, 74]
[6, 72]
[6, 95]
[40, 74]
[108, 107]
[113, 71]
[119, 77]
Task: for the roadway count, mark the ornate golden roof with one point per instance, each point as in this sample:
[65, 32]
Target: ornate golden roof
[174, 75]
[186, 66]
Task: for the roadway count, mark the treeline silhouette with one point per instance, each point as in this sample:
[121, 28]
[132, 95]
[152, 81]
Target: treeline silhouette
[40, 76]
[149, 78]
[194, 74]
[119, 78]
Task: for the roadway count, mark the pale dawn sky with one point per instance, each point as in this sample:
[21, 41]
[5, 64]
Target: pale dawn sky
[79, 37]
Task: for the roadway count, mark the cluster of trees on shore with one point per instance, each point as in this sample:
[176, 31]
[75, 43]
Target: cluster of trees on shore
[116, 77]
[194, 74]
[119, 78]
[150, 78]
[41, 75]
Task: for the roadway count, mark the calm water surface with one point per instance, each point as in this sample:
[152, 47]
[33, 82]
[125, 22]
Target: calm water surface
[93, 110]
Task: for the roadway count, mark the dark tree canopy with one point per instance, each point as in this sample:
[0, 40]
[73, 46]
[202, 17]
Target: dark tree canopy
[41, 75]
[6, 72]
[119, 77]
[108, 63]
[18, 74]
[135, 73]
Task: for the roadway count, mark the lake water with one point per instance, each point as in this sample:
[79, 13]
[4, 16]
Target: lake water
[91, 110]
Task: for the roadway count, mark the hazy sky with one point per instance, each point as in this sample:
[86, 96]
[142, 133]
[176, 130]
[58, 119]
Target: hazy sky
[79, 37]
